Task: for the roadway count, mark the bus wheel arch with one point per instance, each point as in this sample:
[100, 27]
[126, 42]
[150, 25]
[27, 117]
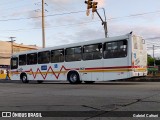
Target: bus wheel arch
[23, 78]
[73, 77]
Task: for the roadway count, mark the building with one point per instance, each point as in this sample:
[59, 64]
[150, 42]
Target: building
[6, 50]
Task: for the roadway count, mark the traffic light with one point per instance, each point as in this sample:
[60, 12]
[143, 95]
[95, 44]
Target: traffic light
[89, 4]
[94, 6]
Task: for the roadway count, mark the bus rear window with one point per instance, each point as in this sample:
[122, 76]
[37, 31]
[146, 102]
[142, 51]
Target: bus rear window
[14, 63]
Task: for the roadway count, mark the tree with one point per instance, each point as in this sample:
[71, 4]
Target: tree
[150, 60]
[157, 62]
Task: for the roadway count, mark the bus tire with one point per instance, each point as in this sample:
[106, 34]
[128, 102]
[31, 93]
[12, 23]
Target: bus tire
[89, 82]
[73, 77]
[39, 81]
[24, 78]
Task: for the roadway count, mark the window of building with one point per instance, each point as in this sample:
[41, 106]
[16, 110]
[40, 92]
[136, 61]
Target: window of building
[31, 58]
[115, 49]
[57, 56]
[22, 59]
[43, 57]
[92, 52]
[73, 54]
[14, 63]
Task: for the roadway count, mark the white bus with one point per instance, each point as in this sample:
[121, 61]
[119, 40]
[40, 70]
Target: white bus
[104, 59]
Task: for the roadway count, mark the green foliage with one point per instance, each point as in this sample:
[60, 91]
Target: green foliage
[157, 62]
[150, 60]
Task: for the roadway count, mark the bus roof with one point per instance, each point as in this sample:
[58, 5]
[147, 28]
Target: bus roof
[77, 44]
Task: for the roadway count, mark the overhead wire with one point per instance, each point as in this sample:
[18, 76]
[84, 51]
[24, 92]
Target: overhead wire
[74, 12]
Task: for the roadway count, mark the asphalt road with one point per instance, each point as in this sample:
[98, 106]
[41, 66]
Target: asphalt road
[60, 96]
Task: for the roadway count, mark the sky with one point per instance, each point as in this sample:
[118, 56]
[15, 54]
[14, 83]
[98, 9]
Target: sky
[66, 21]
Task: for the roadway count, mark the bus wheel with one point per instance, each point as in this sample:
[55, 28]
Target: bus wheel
[24, 78]
[89, 82]
[73, 78]
[39, 81]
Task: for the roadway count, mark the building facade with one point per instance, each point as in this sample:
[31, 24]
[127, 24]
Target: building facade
[6, 50]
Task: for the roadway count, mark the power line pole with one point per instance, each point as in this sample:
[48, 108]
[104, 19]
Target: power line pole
[153, 55]
[12, 44]
[153, 48]
[43, 26]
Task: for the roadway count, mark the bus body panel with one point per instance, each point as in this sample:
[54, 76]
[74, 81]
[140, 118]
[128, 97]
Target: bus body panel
[120, 67]
[90, 70]
[139, 56]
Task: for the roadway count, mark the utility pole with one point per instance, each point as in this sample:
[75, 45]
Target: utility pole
[43, 26]
[153, 55]
[12, 44]
[153, 48]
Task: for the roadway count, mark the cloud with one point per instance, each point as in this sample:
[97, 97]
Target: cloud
[35, 18]
[101, 3]
[82, 35]
[60, 1]
[143, 30]
[86, 32]
[20, 13]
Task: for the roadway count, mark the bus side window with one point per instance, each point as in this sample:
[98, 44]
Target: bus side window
[78, 53]
[43, 57]
[31, 58]
[22, 59]
[107, 50]
[122, 48]
[115, 49]
[57, 56]
[14, 63]
[92, 52]
[73, 54]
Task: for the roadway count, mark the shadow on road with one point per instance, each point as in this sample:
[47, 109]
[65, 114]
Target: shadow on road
[67, 83]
